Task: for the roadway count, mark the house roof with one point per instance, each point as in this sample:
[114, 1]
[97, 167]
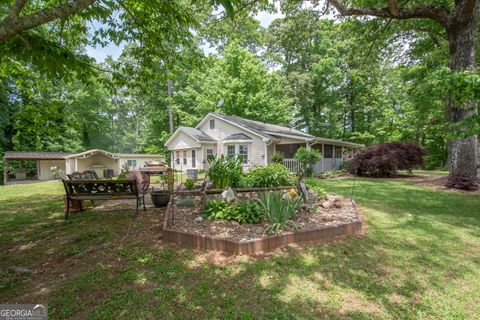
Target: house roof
[197, 134]
[267, 130]
[238, 136]
[40, 155]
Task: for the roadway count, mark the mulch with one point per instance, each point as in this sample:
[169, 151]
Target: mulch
[305, 219]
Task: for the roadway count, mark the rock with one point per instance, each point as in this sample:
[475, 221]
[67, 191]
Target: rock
[19, 270]
[229, 195]
[181, 187]
[327, 204]
[199, 219]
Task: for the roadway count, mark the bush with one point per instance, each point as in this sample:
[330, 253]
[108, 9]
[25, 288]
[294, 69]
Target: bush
[319, 191]
[189, 183]
[277, 158]
[247, 212]
[384, 160]
[277, 211]
[307, 159]
[225, 171]
[218, 210]
[271, 175]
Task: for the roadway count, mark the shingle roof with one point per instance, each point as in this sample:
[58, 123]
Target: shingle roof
[238, 136]
[34, 155]
[267, 130]
[196, 133]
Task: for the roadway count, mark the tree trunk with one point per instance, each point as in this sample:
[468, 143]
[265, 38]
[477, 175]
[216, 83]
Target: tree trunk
[462, 152]
[170, 107]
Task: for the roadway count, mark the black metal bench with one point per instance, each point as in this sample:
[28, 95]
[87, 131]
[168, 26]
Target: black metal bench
[85, 175]
[102, 190]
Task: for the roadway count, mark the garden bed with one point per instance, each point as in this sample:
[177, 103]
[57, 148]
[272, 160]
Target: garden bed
[187, 226]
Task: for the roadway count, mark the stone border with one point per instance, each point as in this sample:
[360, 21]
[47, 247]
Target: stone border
[196, 241]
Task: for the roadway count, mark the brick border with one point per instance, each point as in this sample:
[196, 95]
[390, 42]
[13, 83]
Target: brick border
[271, 243]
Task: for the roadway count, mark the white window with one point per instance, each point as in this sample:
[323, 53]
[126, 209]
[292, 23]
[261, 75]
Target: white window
[243, 152]
[194, 160]
[185, 157]
[212, 124]
[231, 151]
[209, 154]
[132, 163]
[177, 157]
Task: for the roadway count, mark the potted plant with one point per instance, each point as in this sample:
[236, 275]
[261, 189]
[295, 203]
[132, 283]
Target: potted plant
[160, 198]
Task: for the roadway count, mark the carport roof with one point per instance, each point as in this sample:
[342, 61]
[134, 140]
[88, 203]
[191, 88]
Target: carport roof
[35, 155]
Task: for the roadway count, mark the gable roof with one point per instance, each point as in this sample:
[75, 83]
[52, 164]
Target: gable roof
[194, 133]
[238, 136]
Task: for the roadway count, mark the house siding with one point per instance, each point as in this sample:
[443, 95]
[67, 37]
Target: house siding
[44, 168]
[223, 129]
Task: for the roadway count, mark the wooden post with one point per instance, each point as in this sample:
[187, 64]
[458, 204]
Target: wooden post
[170, 173]
[323, 156]
[38, 169]
[5, 171]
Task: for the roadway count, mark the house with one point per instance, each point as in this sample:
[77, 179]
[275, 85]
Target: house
[254, 141]
[105, 164]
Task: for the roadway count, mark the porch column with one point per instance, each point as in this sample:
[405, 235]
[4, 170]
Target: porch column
[75, 164]
[266, 154]
[5, 171]
[323, 156]
[38, 169]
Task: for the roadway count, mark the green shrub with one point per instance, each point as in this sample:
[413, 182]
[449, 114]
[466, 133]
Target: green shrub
[277, 157]
[307, 159]
[189, 184]
[186, 202]
[277, 211]
[225, 171]
[247, 212]
[218, 210]
[271, 175]
[320, 192]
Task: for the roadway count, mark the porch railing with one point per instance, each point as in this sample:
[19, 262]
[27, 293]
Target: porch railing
[321, 166]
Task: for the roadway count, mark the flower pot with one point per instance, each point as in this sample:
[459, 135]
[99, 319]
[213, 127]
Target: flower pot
[160, 198]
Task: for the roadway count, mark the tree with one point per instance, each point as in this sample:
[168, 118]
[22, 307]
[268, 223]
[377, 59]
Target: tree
[460, 21]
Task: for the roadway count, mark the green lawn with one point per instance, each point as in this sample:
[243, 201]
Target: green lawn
[419, 259]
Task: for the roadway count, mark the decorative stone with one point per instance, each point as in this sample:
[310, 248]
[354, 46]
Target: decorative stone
[19, 270]
[229, 195]
[199, 219]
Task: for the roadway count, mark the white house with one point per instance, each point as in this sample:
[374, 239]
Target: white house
[254, 141]
[104, 163]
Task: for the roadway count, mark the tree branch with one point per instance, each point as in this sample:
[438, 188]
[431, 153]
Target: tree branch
[439, 14]
[14, 25]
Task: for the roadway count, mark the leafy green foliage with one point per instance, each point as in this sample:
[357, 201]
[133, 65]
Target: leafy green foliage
[225, 171]
[277, 211]
[307, 159]
[271, 175]
[218, 210]
[247, 212]
[277, 157]
[319, 190]
[189, 183]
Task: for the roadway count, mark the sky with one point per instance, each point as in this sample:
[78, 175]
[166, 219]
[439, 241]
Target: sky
[100, 53]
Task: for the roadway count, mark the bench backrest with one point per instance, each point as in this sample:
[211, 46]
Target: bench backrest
[85, 175]
[100, 187]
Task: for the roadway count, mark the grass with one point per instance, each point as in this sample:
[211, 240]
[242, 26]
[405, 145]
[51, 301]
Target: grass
[419, 259]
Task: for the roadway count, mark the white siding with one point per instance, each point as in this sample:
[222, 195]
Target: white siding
[140, 161]
[223, 129]
[183, 141]
[45, 165]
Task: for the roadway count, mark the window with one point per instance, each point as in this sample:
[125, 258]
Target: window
[194, 160]
[231, 151]
[243, 152]
[209, 154]
[177, 157]
[338, 152]
[131, 163]
[185, 157]
[212, 124]
[328, 148]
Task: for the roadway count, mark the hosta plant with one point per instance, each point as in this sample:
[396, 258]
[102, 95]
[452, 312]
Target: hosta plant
[247, 212]
[218, 210]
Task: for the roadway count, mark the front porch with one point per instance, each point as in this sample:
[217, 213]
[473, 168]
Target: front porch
[333, 155]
